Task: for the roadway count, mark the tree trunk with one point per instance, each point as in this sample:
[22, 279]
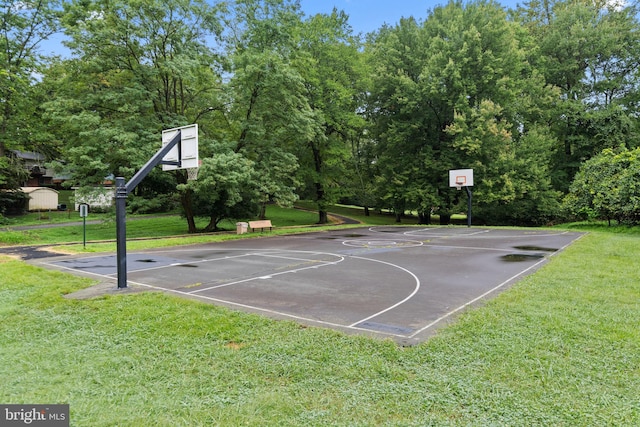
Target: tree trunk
[424, 218]
[213, 224]
[263, 210]
[323, 217]
[186, 200]
[366, 211]
[445, 219]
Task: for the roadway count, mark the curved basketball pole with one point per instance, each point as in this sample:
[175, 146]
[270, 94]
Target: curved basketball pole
[122, 191]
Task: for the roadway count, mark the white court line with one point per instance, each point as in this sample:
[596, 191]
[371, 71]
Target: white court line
[473, 248]
[177, 264]
[416, 233]
[236, 304]
[291, 258]
[515, 276]
[415, 291]
[251, 307]
[441, 318]
[322, 264]
[316, 321]
[382, 243]
[274, 312]
[77, 270]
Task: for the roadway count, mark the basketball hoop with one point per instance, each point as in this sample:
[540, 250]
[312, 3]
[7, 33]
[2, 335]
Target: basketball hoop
[463, 178]
[192, 174]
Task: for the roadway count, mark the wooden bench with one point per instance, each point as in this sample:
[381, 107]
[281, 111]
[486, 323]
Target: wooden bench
[262, 224]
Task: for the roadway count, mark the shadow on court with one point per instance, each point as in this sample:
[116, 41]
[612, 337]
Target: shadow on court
[396, 282]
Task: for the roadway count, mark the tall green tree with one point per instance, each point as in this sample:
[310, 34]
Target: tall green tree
[330, 63]
[590, 51]
[268, 113]
[459, 92]
[24, 25]
[138, 67]
[406, 126]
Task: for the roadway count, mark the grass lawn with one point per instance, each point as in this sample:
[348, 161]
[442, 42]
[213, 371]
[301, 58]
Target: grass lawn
[561, 347]
[138, 226]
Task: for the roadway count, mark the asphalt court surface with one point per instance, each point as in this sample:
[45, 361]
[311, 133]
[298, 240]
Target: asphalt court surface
[399, 282]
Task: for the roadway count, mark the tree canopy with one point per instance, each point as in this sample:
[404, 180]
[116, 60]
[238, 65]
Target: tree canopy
[292, 106]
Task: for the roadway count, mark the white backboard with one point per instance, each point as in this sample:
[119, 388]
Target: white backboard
[461, 178]
[186, 152]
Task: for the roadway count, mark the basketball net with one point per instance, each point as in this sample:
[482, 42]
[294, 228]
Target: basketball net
[192, 174]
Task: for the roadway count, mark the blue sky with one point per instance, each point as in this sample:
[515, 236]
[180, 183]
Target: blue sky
[369, 15]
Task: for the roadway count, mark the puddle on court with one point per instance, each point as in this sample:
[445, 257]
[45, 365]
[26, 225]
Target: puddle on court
[535, 248]
[145, 260]
[187, 265]
[354, 235]
[521, 257]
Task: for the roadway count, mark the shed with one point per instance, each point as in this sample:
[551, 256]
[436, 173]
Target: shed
[41, 198]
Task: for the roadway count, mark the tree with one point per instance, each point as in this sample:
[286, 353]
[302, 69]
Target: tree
[597, 79]
[268, 112]
[363, 172]
[458, 92]
[226, 188]
[24, 25]
[331, 66]
[407, 135]
[12, 174]
[140, 66]
[606, 187]
[514, 185]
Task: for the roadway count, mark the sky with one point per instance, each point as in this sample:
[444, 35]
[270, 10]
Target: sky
[368, 15]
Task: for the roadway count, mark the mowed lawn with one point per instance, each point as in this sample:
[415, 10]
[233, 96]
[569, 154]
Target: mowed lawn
[561, 348]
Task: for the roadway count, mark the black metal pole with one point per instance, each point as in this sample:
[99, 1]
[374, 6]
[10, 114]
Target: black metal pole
[468, 206]
[122, 190]
[153, 162]
[121, 231]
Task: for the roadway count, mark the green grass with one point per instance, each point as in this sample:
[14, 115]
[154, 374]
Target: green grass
[106, 229]
[47, 217]
[138, 226]
[561, 347]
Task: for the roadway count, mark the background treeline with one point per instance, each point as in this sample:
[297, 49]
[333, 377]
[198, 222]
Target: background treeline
[541, 101]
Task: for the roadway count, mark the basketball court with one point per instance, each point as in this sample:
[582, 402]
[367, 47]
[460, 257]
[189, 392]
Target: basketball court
[398, 282]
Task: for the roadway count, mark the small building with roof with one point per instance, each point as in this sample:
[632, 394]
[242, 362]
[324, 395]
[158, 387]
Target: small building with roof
[41, 198]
